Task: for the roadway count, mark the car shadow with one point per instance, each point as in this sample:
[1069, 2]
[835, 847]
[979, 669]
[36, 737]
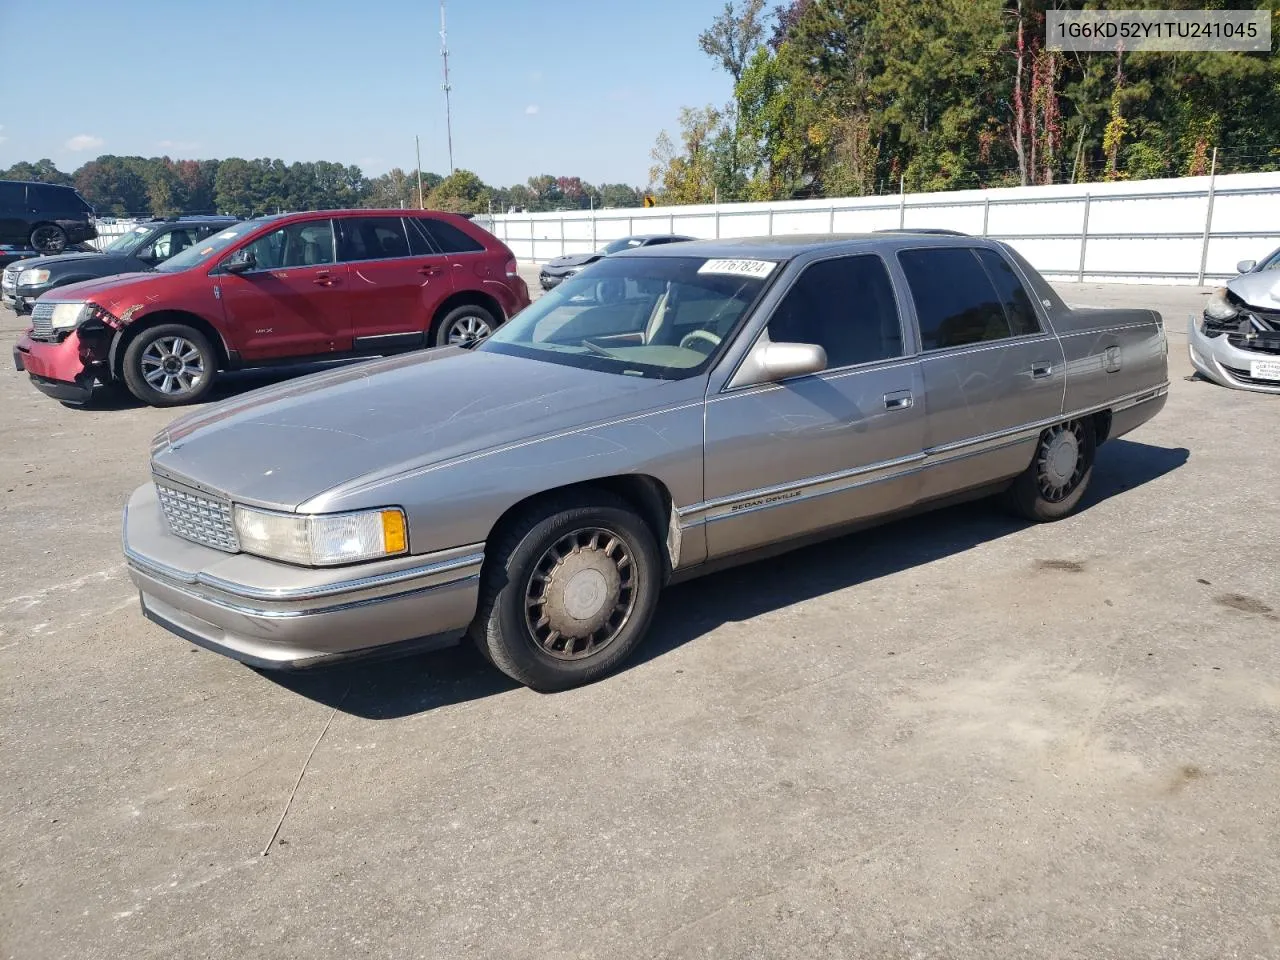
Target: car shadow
[391, 689]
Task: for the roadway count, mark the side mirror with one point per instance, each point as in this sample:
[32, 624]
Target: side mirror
[240, 262]
[770, 362]
[1244, 266]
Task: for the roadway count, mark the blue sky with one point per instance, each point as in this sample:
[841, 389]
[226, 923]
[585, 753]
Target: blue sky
[568, 87]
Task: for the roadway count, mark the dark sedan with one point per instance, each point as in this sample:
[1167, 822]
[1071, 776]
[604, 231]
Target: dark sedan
[561, 268]
[140, 249]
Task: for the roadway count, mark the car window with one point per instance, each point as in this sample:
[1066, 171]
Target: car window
[42, 196]
[1013, 296]
[447, 237]
[305, 244]
[1271, 263]
[955, 300]
[371, 238]
[420, 244]
[165, 244]
[13, 195]
[846, 306]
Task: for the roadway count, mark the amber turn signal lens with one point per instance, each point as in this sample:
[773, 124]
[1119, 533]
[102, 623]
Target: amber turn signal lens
[393, 535]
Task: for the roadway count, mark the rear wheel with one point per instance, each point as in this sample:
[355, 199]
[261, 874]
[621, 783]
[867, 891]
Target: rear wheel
[465, 324]
[49, 238]
[568, 591]
[170, 365]
[1059, 473]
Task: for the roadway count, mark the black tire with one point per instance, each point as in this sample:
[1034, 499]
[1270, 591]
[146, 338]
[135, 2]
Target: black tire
[48, 238]
[463, 321]
[170, 389]
[1045, 491]
[521, 561]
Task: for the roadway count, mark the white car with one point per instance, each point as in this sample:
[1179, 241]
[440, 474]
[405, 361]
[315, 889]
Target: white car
[1237, 341]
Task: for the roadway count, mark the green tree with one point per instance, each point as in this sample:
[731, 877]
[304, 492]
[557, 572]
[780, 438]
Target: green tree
[460, 192]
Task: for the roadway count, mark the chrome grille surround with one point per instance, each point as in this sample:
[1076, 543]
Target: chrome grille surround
[198, 518]
[42, 321]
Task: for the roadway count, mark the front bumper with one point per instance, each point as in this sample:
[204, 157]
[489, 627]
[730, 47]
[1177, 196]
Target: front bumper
[277, 616]
[20, 299]
[1216, 359]
[57, 370]
[549, 280]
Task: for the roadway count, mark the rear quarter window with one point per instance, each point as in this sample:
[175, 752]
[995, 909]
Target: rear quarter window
[447, 237]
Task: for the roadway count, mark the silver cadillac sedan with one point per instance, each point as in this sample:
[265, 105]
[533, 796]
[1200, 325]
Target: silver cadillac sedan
[664, 413]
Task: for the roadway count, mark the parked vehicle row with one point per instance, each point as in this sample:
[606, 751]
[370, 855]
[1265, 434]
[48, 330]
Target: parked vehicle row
[143, 247]
[671, 410]
[308, 286]
[45, 216]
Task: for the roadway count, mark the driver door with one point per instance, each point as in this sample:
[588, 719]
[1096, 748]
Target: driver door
[294, 302]
[817, 451]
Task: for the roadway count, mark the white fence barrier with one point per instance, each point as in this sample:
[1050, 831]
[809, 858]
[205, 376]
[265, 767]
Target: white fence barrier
[1185, 230]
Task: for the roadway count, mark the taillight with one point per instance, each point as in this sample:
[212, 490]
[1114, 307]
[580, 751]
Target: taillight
[512, 270]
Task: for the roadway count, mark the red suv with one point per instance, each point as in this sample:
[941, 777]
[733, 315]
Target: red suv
[301, 286]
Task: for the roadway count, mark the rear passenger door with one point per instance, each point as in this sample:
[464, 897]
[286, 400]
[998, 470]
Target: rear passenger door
[789, 458]
[467, 257]
[993, 374]
[398, 281]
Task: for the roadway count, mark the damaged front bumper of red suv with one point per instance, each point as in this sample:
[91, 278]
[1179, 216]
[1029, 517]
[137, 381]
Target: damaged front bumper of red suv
[65, 370]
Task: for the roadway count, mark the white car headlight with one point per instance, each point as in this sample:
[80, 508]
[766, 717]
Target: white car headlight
[322, 540]
[29, 278]
[1219, 307]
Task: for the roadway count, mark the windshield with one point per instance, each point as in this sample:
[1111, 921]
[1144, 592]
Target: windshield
[626, 243]
[662, 317]
[206, 250]
[127, 242]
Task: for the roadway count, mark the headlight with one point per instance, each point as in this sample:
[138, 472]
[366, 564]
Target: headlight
[322, 540]
[1219, 308]
[67, 316]
[30, 278]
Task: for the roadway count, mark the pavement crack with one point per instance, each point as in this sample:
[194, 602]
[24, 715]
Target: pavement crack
[303, 772]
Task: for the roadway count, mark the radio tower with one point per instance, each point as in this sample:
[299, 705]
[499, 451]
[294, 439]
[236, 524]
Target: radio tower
[448, 115]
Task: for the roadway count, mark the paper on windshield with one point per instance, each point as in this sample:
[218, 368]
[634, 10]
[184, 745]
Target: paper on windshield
[739, 268]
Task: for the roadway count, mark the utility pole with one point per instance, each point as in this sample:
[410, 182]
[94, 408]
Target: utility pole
[444, 54]
[417, 148]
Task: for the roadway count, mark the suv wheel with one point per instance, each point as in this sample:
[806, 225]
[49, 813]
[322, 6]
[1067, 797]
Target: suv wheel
[465, 324]
[568, 591]
[49, 238]
[170, 365]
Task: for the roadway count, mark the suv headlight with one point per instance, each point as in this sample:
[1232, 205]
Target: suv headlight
[322, 540]
[31, 278]
[68, 316]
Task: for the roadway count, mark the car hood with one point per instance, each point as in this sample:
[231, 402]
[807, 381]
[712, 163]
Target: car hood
[1260, 290]
[575, 260]
[281, 446]
[72, 258]
[106, 292]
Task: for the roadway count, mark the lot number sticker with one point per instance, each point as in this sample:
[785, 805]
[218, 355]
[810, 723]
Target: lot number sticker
[739, 268]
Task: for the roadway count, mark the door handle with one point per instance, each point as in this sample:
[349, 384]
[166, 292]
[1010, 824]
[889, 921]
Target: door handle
[1041, 370]
[899, 400]
[323, 280]
[430, 271]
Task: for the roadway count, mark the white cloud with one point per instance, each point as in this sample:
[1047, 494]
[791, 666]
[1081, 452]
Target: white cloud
[531, 109]
[179, 145]
[83, 141]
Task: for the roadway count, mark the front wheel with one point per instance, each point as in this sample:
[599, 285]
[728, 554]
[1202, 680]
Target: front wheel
[567, 592]
[170, 365]
[465, 324]
[1059, 473]
[49, 238]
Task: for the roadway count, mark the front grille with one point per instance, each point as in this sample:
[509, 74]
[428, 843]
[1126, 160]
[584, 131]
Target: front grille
[10, 279]
[198, 518]
[1260, 342]
[42, 321]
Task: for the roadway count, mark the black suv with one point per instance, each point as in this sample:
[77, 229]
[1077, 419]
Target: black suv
[49, 216]
[141, 248]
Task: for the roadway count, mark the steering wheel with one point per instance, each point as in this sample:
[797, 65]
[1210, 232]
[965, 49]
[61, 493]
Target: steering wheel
[689, 340]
